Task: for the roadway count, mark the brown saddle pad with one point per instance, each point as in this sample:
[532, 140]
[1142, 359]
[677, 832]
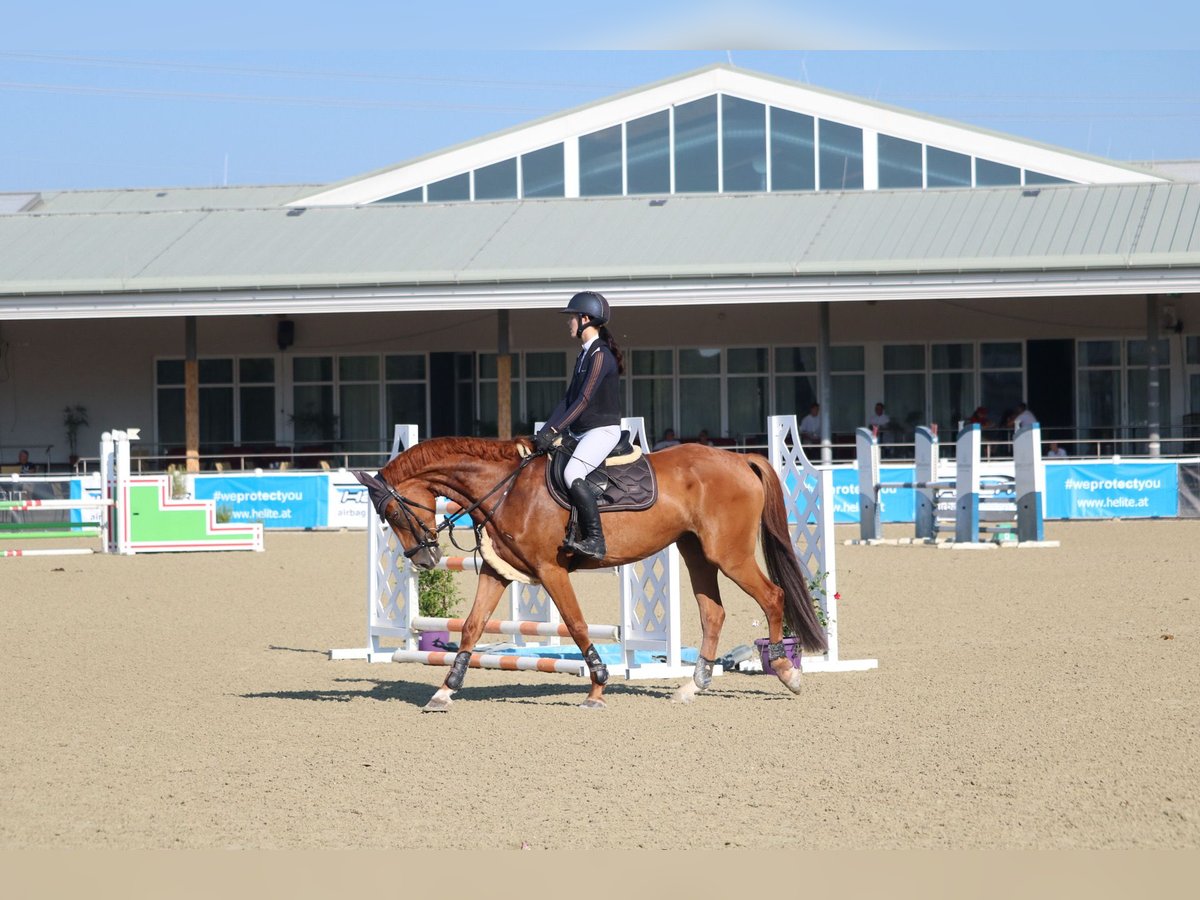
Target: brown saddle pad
[631, 486]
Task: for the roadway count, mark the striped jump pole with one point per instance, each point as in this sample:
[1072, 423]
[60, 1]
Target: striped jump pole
[22, 505]
[505, 626]
[81, 551]
[494, 661]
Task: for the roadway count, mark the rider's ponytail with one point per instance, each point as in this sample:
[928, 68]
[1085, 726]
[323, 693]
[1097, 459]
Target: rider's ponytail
[606, 336]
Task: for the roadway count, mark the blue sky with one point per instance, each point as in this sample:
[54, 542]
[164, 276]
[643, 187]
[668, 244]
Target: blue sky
[138, 94]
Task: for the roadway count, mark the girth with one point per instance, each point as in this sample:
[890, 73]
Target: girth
[626, 481]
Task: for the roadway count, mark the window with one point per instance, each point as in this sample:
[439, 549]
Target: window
[542, 172]
[489, 393]
[945, 168]
[848, 386]
[699, 391]
[1001, 379]
[497, 181]
[546, 379]
[1138, 386]
[747, 391]
[405, 392]
[696, 146]
[648, 161]
[652, 386]
[793, 151]
[416, 195]
[899, 163]
[795, 380]
[456, 187]
[314, 420]
[1099, 388]
[358, 402]
[904, 386]
[237, 402]
[1032, 177]
[841, 157]
[953, 385]
[743, 145]
[994, 174]
[1192, 358]
[600, 163]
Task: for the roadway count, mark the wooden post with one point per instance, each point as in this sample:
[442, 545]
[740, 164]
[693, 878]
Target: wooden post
[191, 396]
[503, 377]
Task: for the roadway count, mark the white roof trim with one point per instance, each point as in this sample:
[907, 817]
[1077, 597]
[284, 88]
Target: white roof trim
[872, 118]
[620, 293]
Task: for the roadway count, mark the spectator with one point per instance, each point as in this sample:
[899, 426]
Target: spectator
[703, 438]
[668, 440]
[879, 419]
[1022, 418]
[810, 425]
[1055, 451]
[25, 467]
[980, 417]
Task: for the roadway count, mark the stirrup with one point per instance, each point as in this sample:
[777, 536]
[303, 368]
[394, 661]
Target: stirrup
[593, 548]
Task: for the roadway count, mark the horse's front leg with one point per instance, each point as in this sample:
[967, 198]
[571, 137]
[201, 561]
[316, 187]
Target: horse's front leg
[487, 594]
[558, 585]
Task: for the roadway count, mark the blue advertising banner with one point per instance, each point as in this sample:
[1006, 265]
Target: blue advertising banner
[895, 504]
[278, 501]
[1111, 490]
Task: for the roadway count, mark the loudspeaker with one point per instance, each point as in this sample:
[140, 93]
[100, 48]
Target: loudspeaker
[285, 333]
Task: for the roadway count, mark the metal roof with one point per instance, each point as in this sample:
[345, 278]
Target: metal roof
[510, 252]
[162, 199]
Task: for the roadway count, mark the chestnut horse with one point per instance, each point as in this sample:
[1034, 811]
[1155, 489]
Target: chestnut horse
[711, 503]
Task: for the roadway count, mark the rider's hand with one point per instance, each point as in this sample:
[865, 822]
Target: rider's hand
[544, 440]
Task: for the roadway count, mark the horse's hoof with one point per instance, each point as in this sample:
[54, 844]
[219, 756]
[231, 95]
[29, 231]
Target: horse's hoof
[593, 703]
[792, 681]
[687, 692]
[439, 702]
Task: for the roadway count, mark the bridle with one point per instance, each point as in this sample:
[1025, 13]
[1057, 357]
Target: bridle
[427, 538]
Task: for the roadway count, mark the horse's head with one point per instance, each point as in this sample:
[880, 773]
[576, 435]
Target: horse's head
[411, 515]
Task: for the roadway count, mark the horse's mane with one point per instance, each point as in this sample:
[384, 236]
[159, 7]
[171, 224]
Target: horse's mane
[429, 453]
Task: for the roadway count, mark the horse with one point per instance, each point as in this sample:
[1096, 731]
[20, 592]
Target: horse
[711, 503]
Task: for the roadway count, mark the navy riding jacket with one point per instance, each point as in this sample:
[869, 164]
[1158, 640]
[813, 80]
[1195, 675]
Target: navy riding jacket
[593, 397]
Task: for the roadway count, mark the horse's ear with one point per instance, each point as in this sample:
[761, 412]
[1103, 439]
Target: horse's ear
[379, 493]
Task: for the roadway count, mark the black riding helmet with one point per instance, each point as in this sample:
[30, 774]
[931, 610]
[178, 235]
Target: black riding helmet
[590, 304]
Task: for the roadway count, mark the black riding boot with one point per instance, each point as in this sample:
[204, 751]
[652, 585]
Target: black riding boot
[591, 542]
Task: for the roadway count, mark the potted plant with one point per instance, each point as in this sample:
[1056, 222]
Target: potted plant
[74, 418]
[437, 597]
[791, 644]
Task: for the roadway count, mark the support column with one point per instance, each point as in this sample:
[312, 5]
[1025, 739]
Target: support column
[191, 395]
[825, 385]
[1153, 413]
[503, 377]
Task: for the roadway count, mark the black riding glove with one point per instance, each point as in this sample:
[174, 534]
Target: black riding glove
[544, 440]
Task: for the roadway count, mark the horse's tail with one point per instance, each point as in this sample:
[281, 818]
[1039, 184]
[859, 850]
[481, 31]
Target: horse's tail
[782, 564]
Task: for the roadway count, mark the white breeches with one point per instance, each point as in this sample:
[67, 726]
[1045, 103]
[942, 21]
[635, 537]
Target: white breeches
[590, 451]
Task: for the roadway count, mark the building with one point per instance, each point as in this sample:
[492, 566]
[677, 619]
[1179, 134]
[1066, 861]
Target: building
[763, 244]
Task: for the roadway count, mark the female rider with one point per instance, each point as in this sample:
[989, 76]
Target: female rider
[590, 411]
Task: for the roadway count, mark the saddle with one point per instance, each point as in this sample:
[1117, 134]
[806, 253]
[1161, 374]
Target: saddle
[625, 482]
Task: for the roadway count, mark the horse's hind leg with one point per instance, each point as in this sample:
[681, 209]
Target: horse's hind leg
[712, 615]
[487, 594]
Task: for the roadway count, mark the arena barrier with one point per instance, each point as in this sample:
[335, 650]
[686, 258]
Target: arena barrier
[648, 599]
[129, 513]
[1003, 505]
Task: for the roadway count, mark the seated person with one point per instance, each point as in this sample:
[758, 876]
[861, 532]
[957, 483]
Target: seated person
[810, 425]
[24, 466]
[980, 417]
[703, 438]
[668, 440]
[879, 419]
[1055, 451]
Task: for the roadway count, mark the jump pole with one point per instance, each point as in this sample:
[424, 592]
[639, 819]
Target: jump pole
[53, 530]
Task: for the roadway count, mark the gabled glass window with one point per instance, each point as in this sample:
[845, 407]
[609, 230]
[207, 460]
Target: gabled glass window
[994, 174]
[744, 145]
[542, 172]
[497, 181]
[696, 146]
[899, 163]
[793, 151]
[416, 195]
[456, 187]
[1032, 177]
[841, 148]
[648, 148]
[945, 168]
[600, 163]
